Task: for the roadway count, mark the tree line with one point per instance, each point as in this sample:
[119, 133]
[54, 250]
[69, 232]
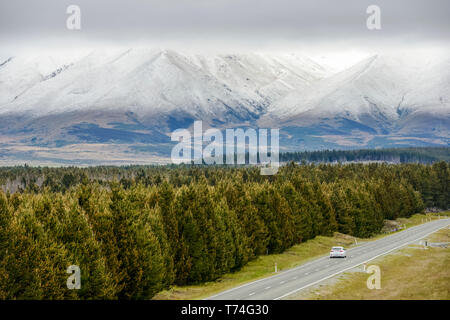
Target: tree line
[426, 155]
[134, 231]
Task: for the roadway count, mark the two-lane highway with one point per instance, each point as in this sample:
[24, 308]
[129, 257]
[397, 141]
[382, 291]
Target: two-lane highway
[288, 282]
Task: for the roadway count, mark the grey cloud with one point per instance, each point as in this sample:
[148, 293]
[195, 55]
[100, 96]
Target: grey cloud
[246, 21]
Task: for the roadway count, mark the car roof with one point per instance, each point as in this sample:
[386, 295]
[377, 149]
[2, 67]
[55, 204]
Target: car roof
[338, 248]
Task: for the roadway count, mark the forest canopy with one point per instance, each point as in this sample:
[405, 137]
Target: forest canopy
[134, 231]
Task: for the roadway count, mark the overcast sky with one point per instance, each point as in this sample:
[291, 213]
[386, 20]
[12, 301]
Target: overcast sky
[318, 27]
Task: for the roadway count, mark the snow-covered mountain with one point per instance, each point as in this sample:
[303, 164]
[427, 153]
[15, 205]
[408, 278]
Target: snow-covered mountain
[383, 97]
[378, 87]
[55, 105]
[153, 82]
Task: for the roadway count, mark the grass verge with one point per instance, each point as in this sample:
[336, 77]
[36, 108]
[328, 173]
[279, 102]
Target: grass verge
[264, 266]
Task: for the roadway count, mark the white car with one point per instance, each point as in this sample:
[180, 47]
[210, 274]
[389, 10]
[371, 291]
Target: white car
[338, 252]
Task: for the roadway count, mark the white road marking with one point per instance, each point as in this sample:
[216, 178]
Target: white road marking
[282, 282]
[267, 288]
[251, 294]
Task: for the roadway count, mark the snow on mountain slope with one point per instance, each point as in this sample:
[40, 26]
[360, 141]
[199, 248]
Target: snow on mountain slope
[155, 82]
[427, 108]
[19, 74]
[378, 92]
[431, 87]
[348, 92]
[263, 75]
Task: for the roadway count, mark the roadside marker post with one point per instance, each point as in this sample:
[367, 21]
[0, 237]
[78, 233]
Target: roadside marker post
[276, 268]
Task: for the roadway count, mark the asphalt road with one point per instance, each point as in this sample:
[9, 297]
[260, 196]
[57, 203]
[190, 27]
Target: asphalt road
[286, 283]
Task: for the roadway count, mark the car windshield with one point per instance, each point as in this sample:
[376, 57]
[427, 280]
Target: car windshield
[337, 248]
